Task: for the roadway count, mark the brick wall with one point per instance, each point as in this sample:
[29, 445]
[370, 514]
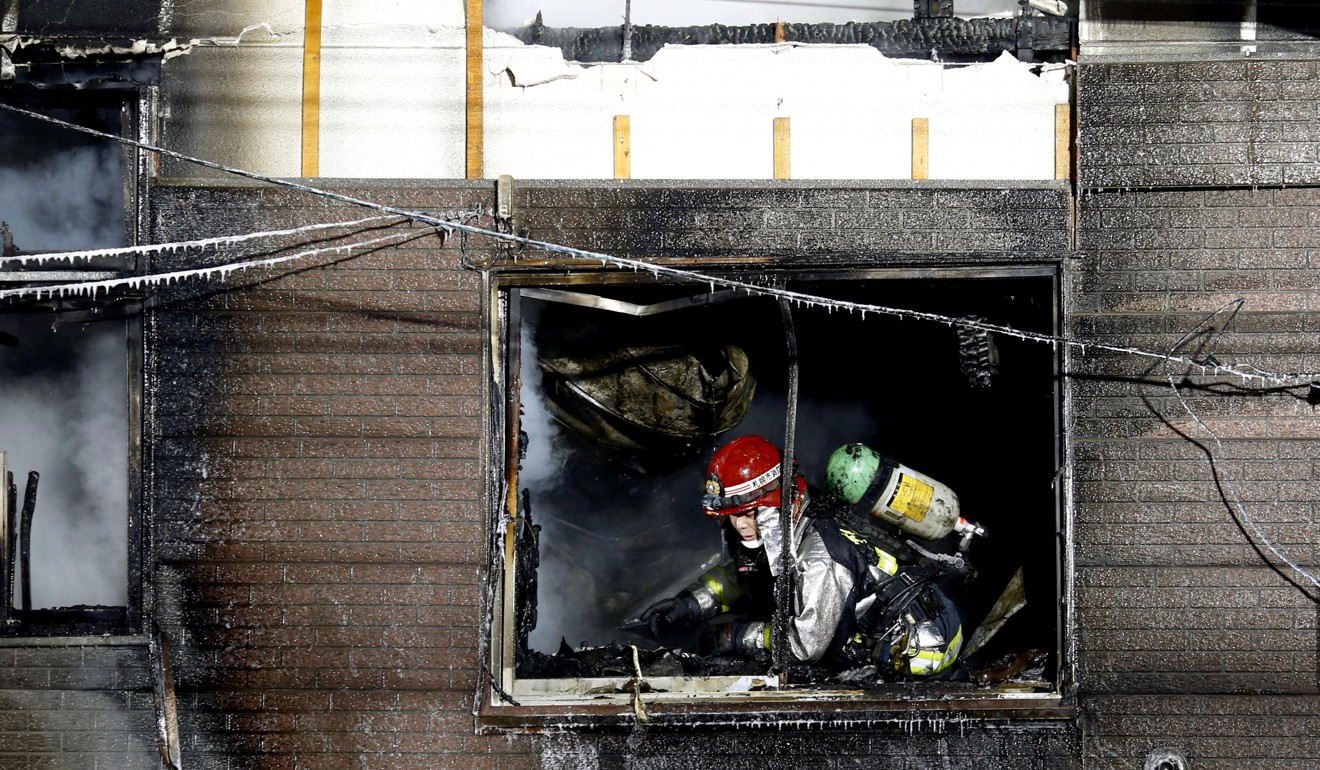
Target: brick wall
[315, 451]
[1199, 123]
[1188, 638]
[318, 495]
[315, 462]
[75, 706]
[848, 224]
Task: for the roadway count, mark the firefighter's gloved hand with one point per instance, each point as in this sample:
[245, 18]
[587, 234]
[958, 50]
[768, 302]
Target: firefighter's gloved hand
[726, 637]
[677, 610]
[718, 638]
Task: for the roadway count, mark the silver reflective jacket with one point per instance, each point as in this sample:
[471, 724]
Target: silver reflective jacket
[828, 594]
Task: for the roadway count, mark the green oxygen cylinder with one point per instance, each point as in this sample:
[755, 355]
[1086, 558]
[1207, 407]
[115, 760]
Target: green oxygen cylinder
[911, 501]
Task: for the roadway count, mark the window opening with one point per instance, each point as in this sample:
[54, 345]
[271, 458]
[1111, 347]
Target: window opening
[68, 368]
[627, 388]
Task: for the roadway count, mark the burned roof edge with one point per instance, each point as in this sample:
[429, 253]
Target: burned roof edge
[1029, 37]
[80, 62]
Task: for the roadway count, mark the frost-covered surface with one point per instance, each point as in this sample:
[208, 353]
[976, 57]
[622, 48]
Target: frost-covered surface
[705, 112]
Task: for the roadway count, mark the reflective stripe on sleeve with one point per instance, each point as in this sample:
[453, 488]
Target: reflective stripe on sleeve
[927, 662]
[885, 561]
[716, 588]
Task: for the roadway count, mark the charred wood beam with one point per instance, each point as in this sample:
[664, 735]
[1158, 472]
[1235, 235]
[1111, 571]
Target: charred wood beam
[162, 684]
[779, 649]
[7, 528]
[1040, 38]
[25, 538]
[528, 556]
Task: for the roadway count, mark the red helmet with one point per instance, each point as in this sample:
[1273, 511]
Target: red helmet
[743, 474]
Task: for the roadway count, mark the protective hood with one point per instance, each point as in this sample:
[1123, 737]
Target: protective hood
[767, 520]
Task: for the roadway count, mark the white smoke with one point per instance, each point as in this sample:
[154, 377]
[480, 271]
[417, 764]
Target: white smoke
[73, 199]
[70, 425]
[603, 538]
[64, 387]
[541, 469]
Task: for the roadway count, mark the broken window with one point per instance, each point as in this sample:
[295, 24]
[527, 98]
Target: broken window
[619, 391]
[69, 374]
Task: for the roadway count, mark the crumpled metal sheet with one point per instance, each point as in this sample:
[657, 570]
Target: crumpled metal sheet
[636, 397]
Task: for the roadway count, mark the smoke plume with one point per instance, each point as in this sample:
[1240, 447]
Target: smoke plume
[64, 386]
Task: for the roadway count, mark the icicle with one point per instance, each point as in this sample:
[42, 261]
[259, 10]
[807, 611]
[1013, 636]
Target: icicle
[71, 256]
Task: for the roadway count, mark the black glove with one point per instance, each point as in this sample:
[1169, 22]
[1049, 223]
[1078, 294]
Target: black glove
[681, 609]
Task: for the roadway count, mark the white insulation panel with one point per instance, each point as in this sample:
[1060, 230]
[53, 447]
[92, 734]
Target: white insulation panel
[392, 106]
[706, 112]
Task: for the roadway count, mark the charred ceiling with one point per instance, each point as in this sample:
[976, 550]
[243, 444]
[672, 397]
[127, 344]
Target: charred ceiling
[1029, 37]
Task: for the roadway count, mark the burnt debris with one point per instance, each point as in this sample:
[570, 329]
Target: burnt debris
[7, 247]
[615, 661]
[529, 559]
[25, 538]
[948, 39]
[82, 62]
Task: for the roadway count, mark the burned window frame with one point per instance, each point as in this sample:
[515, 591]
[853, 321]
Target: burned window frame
[94, 624]
[508, 703]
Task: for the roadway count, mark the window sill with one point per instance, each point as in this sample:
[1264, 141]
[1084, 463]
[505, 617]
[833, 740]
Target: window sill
[87, 640]
[741, 703]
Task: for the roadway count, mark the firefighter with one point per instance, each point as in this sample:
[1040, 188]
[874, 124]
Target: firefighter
[852, 603]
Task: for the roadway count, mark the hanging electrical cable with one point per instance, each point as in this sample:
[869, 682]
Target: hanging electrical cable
[1246, 372]
[784, 591]
[1206, 366]
[46, 257]
[1217, 467]
[91, 288]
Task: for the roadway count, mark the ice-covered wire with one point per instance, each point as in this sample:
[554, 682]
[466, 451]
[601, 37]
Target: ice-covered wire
[155, 248]
[1226, 478]
[285, 183]
[1246, 372]
[91, 288]
[1236, 499]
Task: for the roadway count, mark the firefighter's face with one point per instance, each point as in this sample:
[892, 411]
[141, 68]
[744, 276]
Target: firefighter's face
[745, 525]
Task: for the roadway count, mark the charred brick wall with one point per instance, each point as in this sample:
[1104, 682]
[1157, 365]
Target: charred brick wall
[1193, 635]
[1199, 123]
[316, 492]
[898, 224]
[313, 467]
[68, 705]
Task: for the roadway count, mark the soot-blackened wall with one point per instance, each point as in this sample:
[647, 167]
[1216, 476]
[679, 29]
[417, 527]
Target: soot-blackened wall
[314, 462]
[1189, 640]
[316, 469]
